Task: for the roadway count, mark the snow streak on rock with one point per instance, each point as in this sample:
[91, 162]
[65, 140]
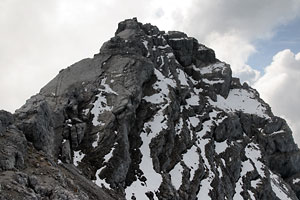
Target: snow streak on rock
[278, 188]
[100, 105]
[139, 188]
[205, 187]
[95, 143]
[252, 163]
[102, 182]
[145, 42]
[163, 83]
[182, 77]
[253, 152]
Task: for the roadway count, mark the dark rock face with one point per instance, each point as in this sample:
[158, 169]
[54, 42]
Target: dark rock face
[12, 149]
[6, 119]
[154, 115]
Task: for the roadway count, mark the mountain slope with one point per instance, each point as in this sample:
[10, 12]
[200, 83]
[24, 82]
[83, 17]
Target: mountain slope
[154, 115]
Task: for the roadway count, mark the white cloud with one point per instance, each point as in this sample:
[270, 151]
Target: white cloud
[280, 86]
[169, 14]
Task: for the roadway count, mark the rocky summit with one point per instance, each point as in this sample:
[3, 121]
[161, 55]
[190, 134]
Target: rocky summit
[152, 116]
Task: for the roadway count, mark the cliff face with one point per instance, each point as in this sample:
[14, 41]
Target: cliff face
[154, 115]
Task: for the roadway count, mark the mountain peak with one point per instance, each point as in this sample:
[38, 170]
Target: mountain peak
[129, 24]
[153, 115]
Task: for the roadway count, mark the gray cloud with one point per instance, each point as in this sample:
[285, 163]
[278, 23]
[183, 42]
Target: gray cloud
[248, 19]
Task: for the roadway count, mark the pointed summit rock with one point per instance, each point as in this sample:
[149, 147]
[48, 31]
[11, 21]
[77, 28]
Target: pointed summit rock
[153, 115]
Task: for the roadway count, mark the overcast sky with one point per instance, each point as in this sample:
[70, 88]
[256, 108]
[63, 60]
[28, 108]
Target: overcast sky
[259, 38]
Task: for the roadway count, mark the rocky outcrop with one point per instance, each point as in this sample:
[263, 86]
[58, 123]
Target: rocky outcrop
[153, 115]
[12, 149]
[6, 119]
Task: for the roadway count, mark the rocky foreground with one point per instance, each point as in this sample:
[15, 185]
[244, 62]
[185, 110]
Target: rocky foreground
[154, 115]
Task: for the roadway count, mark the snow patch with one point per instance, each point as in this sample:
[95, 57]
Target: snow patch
[205, 187]
[162, 84]
[240, 100]
[86, 111]
[195, 68]
[212, 82]
[216, 67]
[176, 175]
[206, 126]
[145, 42]
[246, 167]
[170, 55]
[162, 61]
[95, 143]
[277, 132]
[179, 126]
[78, 156]
[221, 147]
[151, 130]
[182, 77]
[193, 100]
[253, 152]
[251, 194]
[255, 183]
[177, 39]
[100, 182]
[296, 180]
[100, 105]
[108, 156]
[194, 121]
[201, 48]
[191, 159]
[163, 47]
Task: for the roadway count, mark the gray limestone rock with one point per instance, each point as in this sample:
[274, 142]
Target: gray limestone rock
[35, 120]
[6, 119]
[230, 128]
[66, 152]
[12, 150]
